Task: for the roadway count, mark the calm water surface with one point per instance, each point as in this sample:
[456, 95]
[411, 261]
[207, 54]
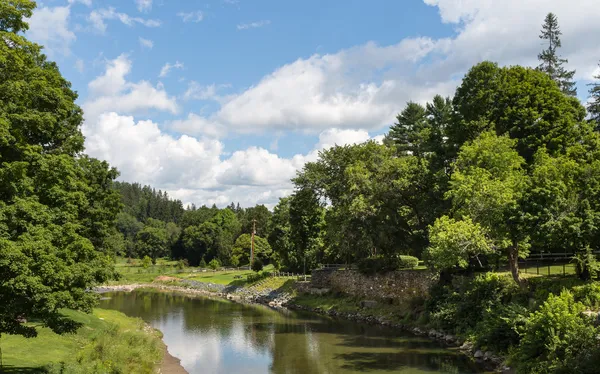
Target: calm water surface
[218, 336]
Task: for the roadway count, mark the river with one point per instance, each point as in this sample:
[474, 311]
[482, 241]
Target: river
[213, 336]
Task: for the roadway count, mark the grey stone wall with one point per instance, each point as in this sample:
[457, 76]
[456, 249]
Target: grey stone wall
[400, 285]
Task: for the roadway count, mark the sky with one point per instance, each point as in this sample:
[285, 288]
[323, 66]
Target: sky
[222, 101]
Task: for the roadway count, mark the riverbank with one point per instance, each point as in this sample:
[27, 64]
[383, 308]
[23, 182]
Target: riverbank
[107, 341]
[334, 306]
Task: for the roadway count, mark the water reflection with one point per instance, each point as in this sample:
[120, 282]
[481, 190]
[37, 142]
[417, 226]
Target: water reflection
[217, 336]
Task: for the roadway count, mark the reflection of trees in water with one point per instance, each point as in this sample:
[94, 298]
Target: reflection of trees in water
[296, 342]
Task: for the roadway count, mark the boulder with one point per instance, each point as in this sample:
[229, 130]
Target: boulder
[478, 354]
[488, 355]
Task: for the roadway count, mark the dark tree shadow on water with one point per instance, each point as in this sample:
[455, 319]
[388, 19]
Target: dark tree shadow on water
[369, 361]
[10, 369]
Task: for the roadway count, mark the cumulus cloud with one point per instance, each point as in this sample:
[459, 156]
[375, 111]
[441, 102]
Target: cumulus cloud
[195, 17]
[98, 16]
[112, 92]
[164, 71]
[50, 28]
[253, 25]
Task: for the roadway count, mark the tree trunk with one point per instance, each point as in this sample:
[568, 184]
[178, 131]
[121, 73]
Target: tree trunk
[513, 262]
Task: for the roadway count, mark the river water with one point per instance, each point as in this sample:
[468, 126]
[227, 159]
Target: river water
[219, 336]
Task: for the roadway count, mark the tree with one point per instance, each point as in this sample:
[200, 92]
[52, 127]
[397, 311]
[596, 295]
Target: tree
[257, 265]
[411, 132]
[280, 232]
[241, 249]
[214, 264]
[57, 206]
[487, 186]
[453, 243]
[522, 103]
[594, 103]
[306, 230]
[551, 63]
[261, 214]
[152, 242]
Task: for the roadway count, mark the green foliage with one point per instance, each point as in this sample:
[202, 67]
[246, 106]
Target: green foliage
[258, 276]
[588, 295]
[554, 336]
[214, 264]
[500, 327]
[453, 243]
[146, 262]
[143, 202]
[460, 306]
[152, 242]
[407, 262]
[586, 264]
[242, 247]
[257, 265]
[57, 205]
[594, 102]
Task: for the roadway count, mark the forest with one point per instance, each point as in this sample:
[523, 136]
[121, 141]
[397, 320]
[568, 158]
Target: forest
[508, 166]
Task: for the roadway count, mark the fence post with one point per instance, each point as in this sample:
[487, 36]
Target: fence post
[548, 269]
[564, 272]
[537, 268]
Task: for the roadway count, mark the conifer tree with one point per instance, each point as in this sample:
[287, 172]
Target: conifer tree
[551, 63]
[594, 102]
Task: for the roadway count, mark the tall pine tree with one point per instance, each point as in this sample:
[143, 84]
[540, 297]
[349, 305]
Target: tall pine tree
[594, 102]
[552, 64]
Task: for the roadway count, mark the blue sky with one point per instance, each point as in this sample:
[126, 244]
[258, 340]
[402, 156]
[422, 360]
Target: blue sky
[223, 100]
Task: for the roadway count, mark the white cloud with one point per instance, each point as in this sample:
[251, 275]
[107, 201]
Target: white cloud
[197, 91]
[197, 125]
[143, 5]
[97, 18]
[112, 92]
[253, 25]
[164, 71]
[196, 16]
[84, 2]
[146, 43]
[50, 28]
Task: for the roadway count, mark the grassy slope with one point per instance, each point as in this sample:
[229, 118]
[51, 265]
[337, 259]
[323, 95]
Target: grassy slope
[32, 355]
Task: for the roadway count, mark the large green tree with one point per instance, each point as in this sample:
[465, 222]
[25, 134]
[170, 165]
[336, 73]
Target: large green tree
[153, 242]
[551, 63]
[57, 206]
[242, 247]
[522, 103]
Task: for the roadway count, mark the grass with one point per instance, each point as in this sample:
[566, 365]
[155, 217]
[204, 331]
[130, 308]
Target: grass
[108, 341]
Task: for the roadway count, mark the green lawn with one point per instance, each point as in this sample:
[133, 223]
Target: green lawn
[22, 355]
[221, 277]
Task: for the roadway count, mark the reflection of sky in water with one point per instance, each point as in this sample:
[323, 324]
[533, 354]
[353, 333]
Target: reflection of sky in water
[215, 337]
[208, 352]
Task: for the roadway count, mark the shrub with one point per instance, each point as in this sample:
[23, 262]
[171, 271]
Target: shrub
[588, 295]
[407, 262]
[202, 263]
[461, 306]
[214, 264]
[554, 337]
[146, 262]
[251, 278]
[257, 265]
[378, 264]
[586, 264]
[501, 327]
[182, 264]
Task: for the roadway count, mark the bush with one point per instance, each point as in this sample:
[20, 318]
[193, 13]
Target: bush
[459, 307]
[501, 327]
[202, 263]
[146, 262]
[214, 264]
[554, 337]
[251, 278]
[407, 262]
[182, 264]
[586, 264]
[377, 264]
[257, 265]
[588, 295]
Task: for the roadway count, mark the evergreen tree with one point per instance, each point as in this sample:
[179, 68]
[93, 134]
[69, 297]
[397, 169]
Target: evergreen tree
[552, 64]
[411, 130]
[594, 103]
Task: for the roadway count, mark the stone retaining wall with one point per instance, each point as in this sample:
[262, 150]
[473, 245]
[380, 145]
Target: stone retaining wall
[400, 285]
